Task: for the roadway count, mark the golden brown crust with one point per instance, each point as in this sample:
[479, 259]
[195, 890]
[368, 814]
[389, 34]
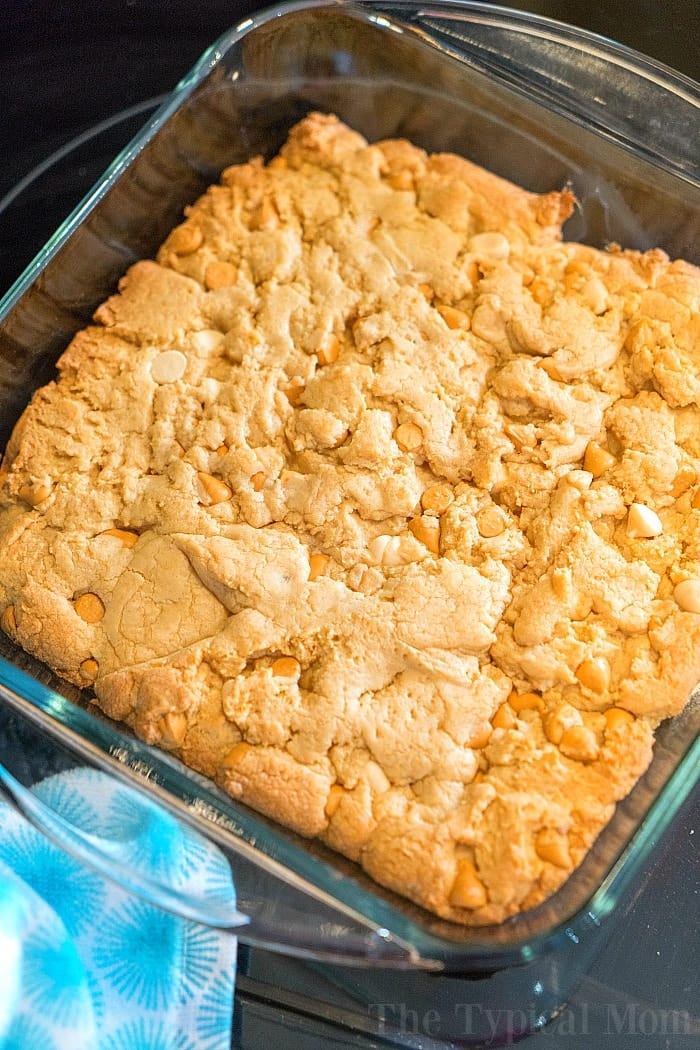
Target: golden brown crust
[376, 502]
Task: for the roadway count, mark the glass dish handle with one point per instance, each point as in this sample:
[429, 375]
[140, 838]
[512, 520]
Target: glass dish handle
[631, 99]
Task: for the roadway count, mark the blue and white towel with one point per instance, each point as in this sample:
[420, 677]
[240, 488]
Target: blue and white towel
[88, 965]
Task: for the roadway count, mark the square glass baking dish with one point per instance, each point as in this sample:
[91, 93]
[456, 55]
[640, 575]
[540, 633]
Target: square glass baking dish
[533, 101]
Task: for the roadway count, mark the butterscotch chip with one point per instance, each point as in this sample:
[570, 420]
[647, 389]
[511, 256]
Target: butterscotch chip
[212, 490]
[560, 721]
[236, 755]
[550, 367]
[437, 499]
[8, 620]
[401, 180]
[617, 716]
[468, 891]
[454, 318]
[597, 459]
[220, 275]
[408, 436]
[185, 239]
[318, 565]
[553, 847]
[89, 669]
[490, 522]
[125, 537]
[89, 607]
[286, 667]
[481, 737]
[293, 390]
[34, 494]
[476, 427]
[526, 702]
[329, 350]
[504, 717]
[594, 674]
[580, 743]
[541, 290]
[335, 796]
[521, 434]
[427, 531]
[265, 216]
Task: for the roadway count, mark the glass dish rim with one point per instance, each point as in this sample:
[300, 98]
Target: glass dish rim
[641, 65]
[528, 21]
[374, 12]
[605, 897]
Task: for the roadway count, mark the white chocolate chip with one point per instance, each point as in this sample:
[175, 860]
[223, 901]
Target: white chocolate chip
[209, 390]
[687, 595]
[489, 247]
[376, 548]
[386, 550]
[207, 340]
[595, 295]
[168, 367]
[643, 522]
[376, 777]
[580, 479]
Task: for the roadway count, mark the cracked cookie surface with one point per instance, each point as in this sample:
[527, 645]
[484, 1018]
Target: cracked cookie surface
[379, 504]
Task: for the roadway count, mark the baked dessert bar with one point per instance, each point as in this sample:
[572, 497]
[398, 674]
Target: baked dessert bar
[379, 504]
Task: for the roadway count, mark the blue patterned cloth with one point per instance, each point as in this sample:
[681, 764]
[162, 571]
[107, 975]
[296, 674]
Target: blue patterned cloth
[87, 965]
